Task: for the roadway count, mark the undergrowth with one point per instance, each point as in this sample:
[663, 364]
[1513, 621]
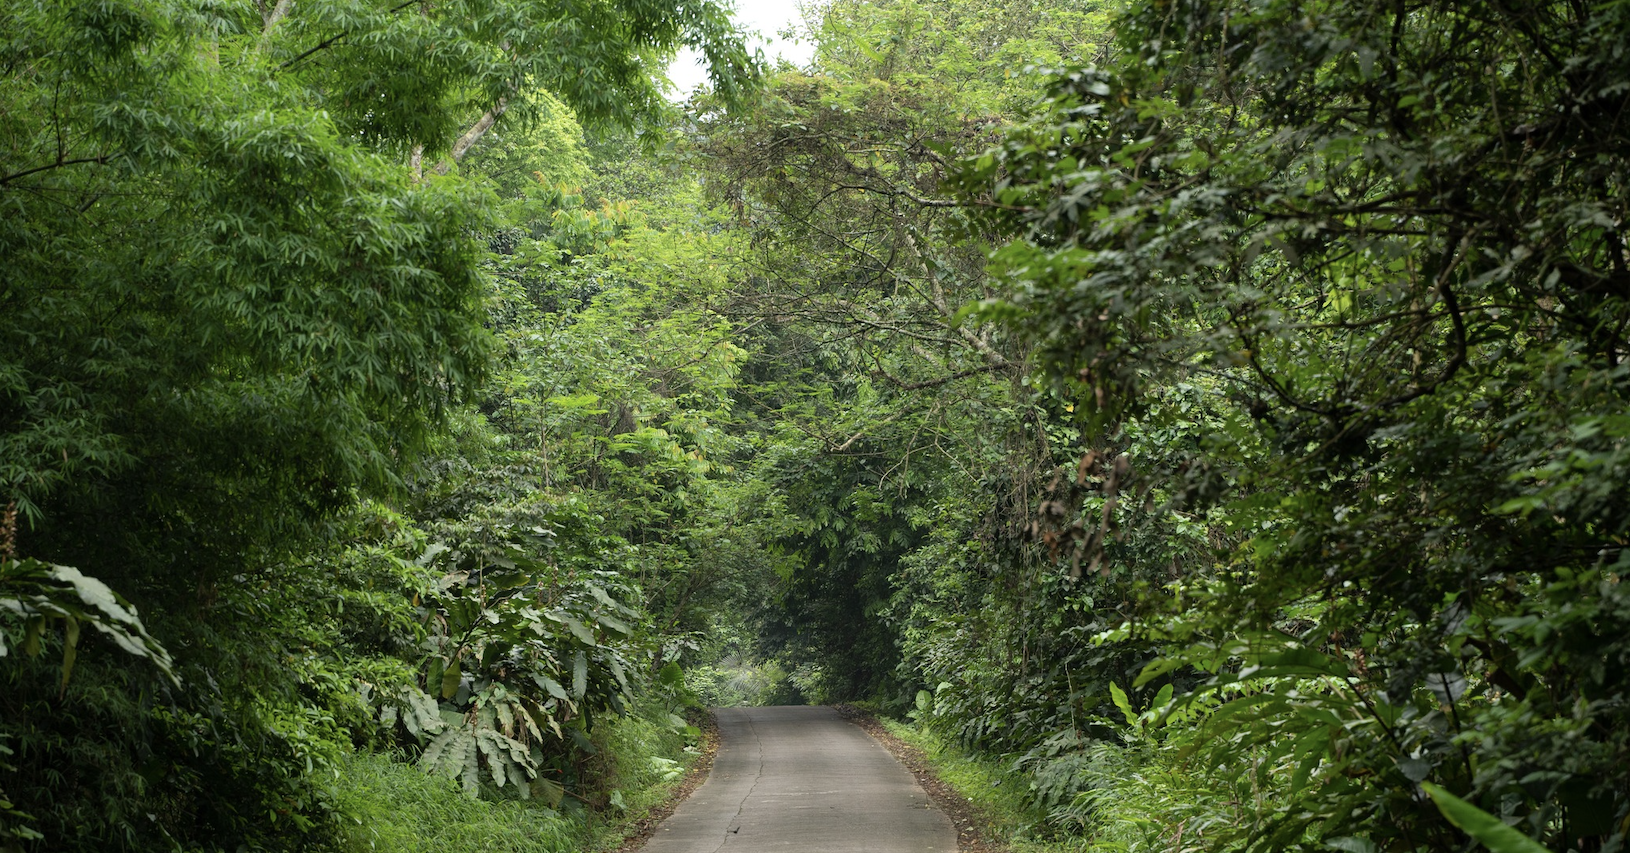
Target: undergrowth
[1002, 798]
[1130, 798]
[393, 806]
[390, 806]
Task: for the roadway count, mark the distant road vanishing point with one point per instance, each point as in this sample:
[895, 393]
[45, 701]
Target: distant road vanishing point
[802, 780]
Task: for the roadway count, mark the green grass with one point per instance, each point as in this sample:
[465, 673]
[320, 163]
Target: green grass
[389, 806]
[996, 792]
[647, 759]
[1138, 798]
[393, 807]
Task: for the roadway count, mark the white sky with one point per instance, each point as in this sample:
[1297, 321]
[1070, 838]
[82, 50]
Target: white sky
[767, 17]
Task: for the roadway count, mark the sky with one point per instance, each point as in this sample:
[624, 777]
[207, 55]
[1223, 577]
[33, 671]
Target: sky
[767, 17]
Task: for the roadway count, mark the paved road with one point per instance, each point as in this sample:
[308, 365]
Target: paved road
[801, 780]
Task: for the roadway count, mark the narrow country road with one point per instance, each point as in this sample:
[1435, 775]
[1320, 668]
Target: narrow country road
[801, 780]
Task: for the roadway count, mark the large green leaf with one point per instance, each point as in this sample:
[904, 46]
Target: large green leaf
[38, 592]
[1119, 696]
[1479, 824]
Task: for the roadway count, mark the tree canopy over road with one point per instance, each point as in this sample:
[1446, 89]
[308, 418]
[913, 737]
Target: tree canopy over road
[1215, 409]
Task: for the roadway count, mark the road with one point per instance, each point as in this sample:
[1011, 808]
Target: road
[801, 780]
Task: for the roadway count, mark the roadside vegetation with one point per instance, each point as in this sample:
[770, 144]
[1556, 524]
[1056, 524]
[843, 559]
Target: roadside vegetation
[1203, 424]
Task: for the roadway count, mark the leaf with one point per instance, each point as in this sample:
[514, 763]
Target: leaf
[580, 631]
[1479, 824]
[39, 591]
[1161, 698]
[616, 626]
[31, 636]
[472, 770]
[1155, 669]
[580, 675]
[431, 758]
[1415, 769]
[1119, 695]
[495, 758]
[430, 553]
[450, 678]
[1351, 844]
[424, 710]
[1311, 747]
[550, 685]
[1447, 686]
[70, 651]
[549, 791]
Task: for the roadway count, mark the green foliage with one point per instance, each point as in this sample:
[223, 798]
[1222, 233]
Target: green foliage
[241, 299]
[386, 804]
[549, 151]
[888, 412]
[518, 657]
[1377, 239]
[382, 802]
[1479, 824]
[37, 593]
[734, 683]
[1233, 452]
[1004, 809]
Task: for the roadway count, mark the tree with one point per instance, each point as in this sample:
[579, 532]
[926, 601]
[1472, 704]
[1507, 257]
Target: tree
[231, 305]
[890, 405]
[1388, 238]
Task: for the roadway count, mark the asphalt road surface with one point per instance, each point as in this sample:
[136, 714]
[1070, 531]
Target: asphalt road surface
[801, 780]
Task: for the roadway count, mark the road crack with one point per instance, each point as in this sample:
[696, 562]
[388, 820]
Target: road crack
[734, 826]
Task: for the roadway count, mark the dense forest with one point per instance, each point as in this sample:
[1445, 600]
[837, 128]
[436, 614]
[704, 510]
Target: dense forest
[1213, 411]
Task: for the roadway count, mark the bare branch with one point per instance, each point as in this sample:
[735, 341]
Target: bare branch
[330, 42]
[100, 159]
[862, 432]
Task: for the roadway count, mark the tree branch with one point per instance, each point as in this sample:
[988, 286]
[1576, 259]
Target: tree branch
[100, 159]
[269, 21]
[328, 43]
[472, 136]
[938, 298]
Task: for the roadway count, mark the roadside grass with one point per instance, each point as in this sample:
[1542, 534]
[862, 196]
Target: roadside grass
[1137, 798]
[646, 760]
[393, 807]
[999, 795]
[385, 805]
